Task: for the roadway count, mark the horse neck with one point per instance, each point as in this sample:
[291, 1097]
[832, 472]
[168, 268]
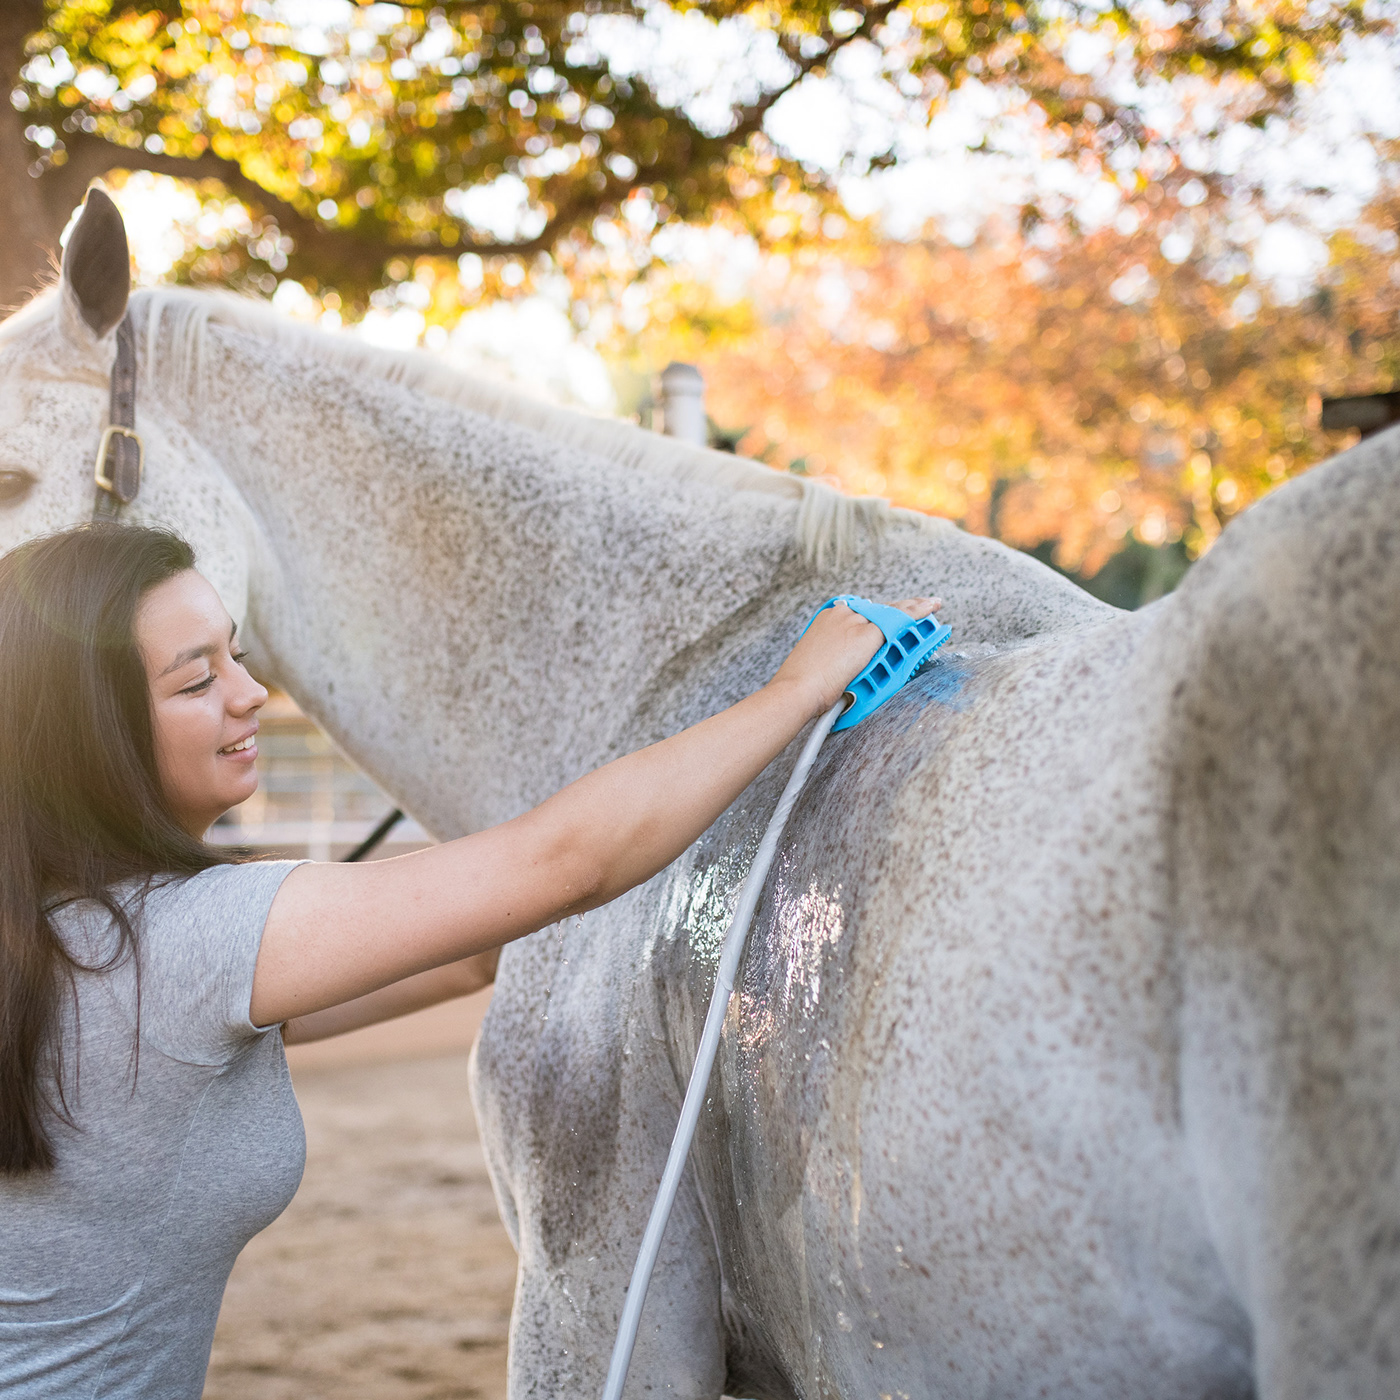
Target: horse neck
[451, 595]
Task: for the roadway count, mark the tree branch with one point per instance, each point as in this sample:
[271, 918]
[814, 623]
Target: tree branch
[362, 253]
[91, 156]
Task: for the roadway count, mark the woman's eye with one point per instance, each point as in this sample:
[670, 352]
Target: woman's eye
[198, 686]
[240, 656]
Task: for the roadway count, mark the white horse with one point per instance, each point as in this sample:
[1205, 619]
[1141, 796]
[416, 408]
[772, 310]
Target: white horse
[1066, 1055]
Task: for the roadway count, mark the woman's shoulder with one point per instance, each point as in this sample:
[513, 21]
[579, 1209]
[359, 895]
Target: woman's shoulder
[196, 945]
[215, 914]
[218, 887]
[200, 938]
[218, 890]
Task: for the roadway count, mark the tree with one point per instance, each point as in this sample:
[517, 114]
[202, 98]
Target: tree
[1059, 394]
[356, 147]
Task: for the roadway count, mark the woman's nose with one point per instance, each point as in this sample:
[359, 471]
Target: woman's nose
[252, 696]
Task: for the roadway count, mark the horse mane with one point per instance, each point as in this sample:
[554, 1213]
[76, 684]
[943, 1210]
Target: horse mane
[173, 323]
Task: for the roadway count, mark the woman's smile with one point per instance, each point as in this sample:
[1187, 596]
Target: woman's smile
[199, 693]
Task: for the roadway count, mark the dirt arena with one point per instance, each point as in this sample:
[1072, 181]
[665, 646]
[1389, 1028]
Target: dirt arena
[390, 1276]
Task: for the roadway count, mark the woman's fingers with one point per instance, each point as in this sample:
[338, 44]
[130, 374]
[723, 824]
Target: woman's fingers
[918, 607]
[838, 645]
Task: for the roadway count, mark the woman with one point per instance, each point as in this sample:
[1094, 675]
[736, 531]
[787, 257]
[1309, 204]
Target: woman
[147, 1123]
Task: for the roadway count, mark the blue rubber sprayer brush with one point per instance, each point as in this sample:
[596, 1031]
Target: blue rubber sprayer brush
[909, 644]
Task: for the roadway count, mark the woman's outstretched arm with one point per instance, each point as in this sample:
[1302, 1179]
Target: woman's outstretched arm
[338, 932]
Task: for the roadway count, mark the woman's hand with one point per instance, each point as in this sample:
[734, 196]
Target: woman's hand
[836, 648]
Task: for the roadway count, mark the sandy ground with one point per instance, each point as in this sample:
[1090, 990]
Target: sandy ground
[390, 1276]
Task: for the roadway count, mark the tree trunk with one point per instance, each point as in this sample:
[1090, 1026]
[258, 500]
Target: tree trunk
[31, 227]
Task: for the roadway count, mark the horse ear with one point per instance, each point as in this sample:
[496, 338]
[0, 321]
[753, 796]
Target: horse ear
[97, 264]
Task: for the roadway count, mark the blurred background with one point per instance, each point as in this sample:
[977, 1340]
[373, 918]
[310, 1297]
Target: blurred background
[1089, 277]
[1076, 275]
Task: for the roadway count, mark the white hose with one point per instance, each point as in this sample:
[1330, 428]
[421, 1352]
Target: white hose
[730, 953]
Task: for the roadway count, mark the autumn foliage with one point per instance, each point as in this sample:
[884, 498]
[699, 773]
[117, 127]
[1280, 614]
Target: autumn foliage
[359, 135]
[1068, 390]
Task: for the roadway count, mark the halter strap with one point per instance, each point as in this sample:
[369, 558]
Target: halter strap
[120, 455]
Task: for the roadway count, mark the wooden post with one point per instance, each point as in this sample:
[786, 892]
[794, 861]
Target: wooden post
[683, 403]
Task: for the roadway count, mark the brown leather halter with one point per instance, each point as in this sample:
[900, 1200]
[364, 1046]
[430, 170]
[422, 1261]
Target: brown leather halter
[121, 455]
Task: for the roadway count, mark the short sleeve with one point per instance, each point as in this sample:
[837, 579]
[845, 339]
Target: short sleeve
[199, 938]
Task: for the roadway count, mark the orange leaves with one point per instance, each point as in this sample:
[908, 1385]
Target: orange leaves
[1046, 397]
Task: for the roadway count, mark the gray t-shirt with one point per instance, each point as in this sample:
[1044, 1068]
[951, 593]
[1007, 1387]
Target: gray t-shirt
[113, 1265]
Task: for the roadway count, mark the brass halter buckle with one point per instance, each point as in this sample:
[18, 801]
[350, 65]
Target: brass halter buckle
[99, 470]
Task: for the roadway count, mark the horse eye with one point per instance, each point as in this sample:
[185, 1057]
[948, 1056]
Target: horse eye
[13, 485]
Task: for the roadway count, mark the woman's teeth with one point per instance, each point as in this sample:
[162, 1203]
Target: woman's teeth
[241, 745]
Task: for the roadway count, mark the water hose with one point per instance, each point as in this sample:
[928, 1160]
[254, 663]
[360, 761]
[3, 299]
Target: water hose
[730, 953]
[909, 645]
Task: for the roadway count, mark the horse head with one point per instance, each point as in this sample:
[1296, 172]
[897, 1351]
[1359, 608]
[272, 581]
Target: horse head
[56, 361]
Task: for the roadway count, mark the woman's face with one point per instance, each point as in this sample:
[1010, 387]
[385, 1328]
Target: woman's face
[204, 705]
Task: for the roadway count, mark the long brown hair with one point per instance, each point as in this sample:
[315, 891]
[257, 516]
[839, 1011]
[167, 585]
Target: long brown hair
[81, 808]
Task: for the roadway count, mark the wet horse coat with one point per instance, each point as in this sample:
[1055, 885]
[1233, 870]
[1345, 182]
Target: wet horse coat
[1066, 1058]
